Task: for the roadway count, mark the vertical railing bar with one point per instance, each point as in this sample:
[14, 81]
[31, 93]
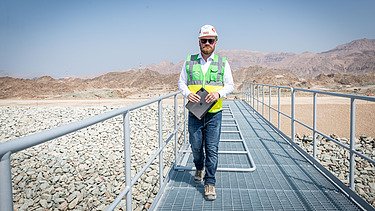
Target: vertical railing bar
[175, 129]
[160, 128]
[127, 156]
[185, 111]
[248, 93]
[314, 125]
[253, 96]
[247, 96]
[6, 191]
[258, 98]
[269, 103]
[278, 108]
[262, 100]
[292, 115]
[352, 144]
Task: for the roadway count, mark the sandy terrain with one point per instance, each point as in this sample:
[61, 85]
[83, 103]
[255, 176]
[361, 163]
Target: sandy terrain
[333, 115]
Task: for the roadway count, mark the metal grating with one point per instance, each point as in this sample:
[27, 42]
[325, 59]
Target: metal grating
[234, 154]
[240, 199]
[283, 180]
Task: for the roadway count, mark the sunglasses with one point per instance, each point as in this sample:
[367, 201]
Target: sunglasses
[204, 41]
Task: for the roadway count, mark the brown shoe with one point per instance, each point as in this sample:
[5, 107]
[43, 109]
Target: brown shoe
[209, 192]
[199, 175]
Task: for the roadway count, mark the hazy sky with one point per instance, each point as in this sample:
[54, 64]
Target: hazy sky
[87, 38]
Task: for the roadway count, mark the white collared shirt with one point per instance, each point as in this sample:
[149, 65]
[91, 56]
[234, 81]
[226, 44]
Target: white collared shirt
[228, 79]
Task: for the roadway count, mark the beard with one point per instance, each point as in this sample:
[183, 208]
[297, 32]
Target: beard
[207, 49]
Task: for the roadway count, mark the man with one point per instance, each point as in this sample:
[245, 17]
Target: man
[213, 73]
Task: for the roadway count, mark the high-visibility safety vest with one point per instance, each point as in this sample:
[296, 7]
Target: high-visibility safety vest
[212, 81]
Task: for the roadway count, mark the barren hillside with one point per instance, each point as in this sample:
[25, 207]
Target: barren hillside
[347, 68]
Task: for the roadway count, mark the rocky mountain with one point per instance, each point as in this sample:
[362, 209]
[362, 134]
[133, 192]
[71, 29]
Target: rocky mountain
[356, 57]
[109, 85]
[349, 67]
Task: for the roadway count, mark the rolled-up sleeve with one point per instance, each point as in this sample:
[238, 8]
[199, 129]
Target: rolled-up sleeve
[228, 81]
[182, 82]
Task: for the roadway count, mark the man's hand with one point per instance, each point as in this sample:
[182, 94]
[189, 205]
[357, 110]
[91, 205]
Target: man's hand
[213, 96]
[194, 98]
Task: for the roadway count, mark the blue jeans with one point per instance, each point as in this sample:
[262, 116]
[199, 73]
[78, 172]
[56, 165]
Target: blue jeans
[205, 134]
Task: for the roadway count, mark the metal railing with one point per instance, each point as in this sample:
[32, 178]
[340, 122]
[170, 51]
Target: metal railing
[251, 95]
[16, 145]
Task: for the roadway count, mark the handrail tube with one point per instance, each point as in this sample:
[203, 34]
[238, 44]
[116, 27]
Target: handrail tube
[347, 147]
[285, 114]
[139, 174]
[333, 140]
[275, 86]
[357, 97]
[118, 199]
[301, 123]
[22, 143]
[350, 148]
[272, 108]
[152, 158]
[315, 131]
[364, 156]
[18, 144]
[336, 181]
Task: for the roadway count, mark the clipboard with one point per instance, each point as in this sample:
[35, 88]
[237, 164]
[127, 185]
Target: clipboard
[201, 108]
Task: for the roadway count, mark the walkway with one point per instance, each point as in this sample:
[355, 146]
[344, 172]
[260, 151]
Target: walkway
[281, 179]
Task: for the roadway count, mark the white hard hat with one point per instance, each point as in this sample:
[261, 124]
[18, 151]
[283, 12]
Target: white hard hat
[207, 30]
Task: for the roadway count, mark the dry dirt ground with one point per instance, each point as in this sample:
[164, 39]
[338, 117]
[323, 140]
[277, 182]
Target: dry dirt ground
[333, 113]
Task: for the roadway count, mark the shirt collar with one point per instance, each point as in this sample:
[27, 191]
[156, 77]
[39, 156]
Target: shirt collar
[211, 58]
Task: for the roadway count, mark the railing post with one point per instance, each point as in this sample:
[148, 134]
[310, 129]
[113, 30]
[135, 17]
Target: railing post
[314, 126]
[249, 93]
[127, 157]
[269, 103]
[352, 144]
[6, 192]
[253, 97]
[278, 108]
[262, 100]
[160, 128]
[175, 129]
[258, 98]
[184, 120]
[292, 95]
